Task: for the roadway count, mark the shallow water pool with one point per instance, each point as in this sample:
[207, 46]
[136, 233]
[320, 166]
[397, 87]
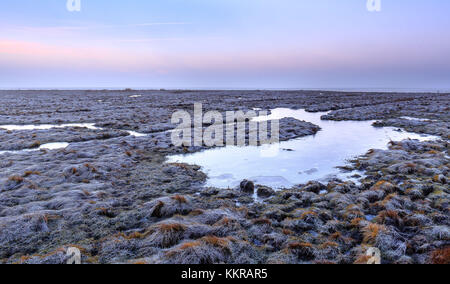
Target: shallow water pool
[297, 161]
[91, 126]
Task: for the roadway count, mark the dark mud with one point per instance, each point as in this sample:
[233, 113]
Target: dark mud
[113, 196]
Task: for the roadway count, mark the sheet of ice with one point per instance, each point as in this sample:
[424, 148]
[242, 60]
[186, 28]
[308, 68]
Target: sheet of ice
[54, 146]
[136, 134]
[313, 157]
[52, 126]
[416, 119]
[48, 146]
[48, 126]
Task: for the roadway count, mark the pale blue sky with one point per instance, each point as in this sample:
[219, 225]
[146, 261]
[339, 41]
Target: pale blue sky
[225, 44]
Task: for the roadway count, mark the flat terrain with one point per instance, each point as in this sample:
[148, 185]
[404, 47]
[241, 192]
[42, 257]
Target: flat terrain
[112, 195]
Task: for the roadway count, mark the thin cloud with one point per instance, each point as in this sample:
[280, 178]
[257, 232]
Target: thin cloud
[152, 39]
[96, 27]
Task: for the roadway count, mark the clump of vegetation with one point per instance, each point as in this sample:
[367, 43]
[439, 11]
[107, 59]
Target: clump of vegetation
[222, 243]
[384, 186]
[134, 235]
[307, 215]
[157, 209]
[102, 211]
[180, 165]
[29, 173]
[371, 232]
[207, 250]
[287, 232]
[35, 144]
[304, 251]
[362, 259]
[169, 206]
[90, 167]
[440, 256]
[197, 212]
[329, 245]
[262, 221]
[167, 234]
[356, 222]
[389, 217]
[16, 179]
[179, 199]
[172, 227]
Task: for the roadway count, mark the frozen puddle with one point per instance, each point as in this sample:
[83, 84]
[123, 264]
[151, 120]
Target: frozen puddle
[416, 119]
[47, 126]
[48, 146]
[135, 134]
[56, 145]
[52, 126]
[300, 160]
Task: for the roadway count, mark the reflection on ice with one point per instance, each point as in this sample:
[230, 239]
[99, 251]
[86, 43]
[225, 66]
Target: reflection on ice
[136, 134]
[48, 146]
[54, 146]
[52, 126]
[48, 126]
[309, 158]
[416, 119]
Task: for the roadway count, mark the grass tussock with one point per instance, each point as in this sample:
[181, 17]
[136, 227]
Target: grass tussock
[383, 185]
[196, 212]
[356, 222]
[157, 210]
[371, 232]
[102, 211]
[262, 221]
[35, 144]
[329, 245]
[308, 214]
[172, 227]
[180, 165]
[179, 199]
[16, 179]
[386, 215]
[190, 245]
[30, 173]
[302, 250]
[216, 242]
[440, 256]
[287, 232]
[362, 259]
[91, 167]
[336, 236]
[298, 245]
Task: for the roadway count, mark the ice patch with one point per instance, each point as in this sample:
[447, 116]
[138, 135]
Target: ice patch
[320, 154]
[48, 126]
[416, 119]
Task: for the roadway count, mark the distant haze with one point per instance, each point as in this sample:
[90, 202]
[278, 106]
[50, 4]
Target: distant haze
[232, 44]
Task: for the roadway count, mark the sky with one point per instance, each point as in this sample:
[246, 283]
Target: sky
[225, 44]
